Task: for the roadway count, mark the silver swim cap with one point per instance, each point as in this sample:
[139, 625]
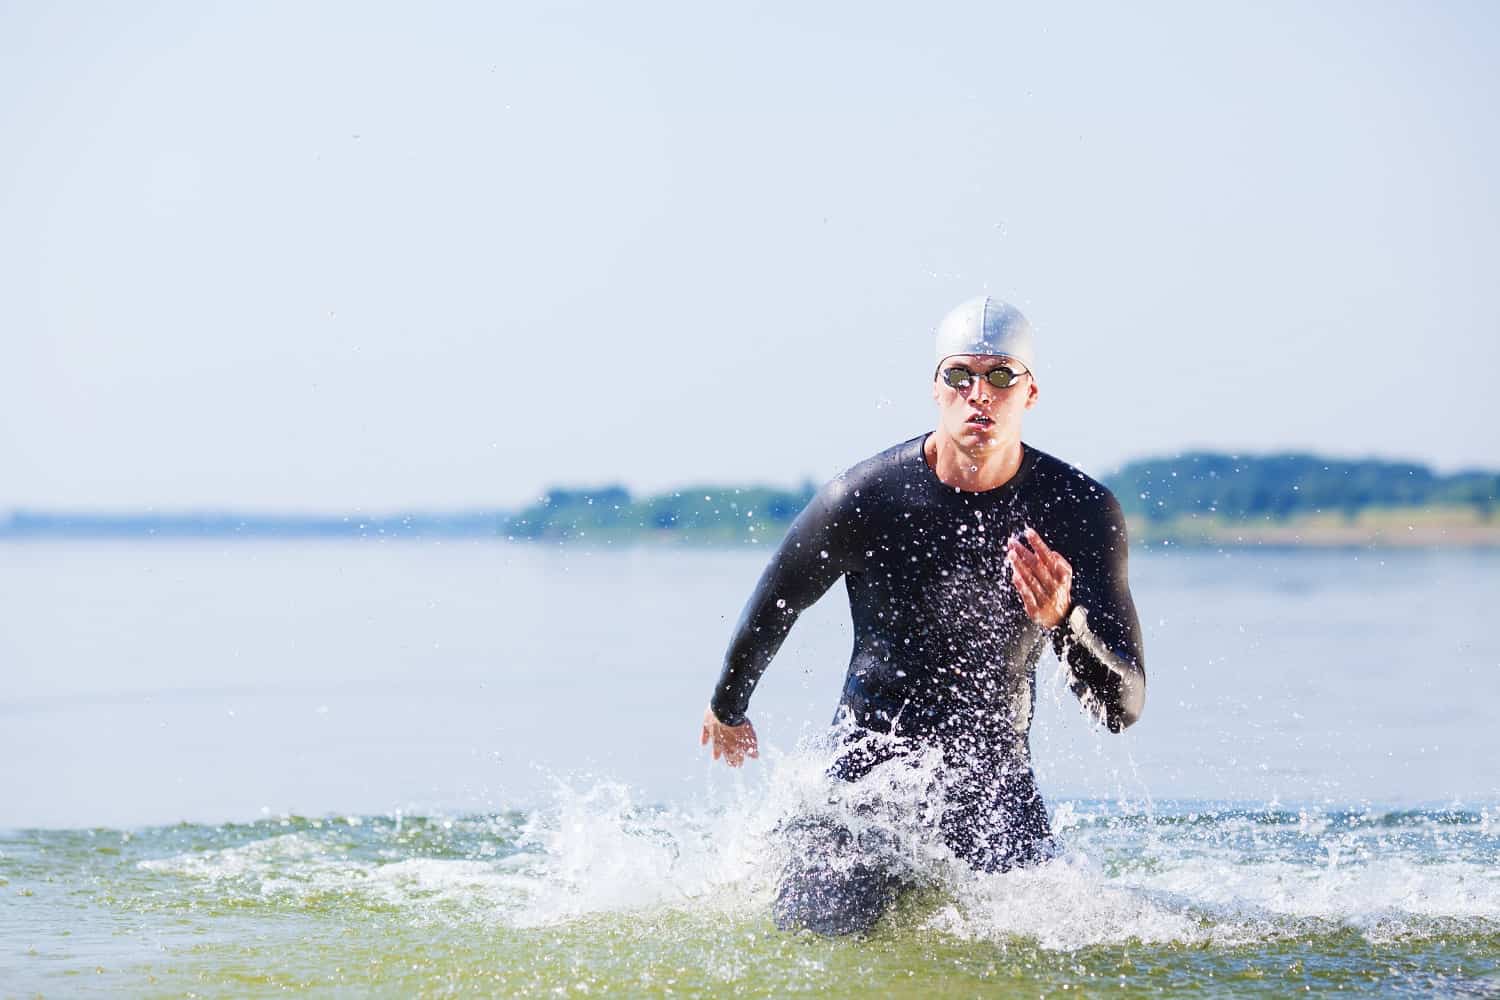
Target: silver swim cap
[986, 326]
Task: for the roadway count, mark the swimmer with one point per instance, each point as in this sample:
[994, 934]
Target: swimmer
[965, 553]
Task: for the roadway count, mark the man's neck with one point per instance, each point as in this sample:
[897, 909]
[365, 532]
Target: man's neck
[975, 471]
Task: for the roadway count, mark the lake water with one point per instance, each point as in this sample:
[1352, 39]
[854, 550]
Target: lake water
[444, 767]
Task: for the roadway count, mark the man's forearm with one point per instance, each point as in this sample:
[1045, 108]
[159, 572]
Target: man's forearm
[806, 564]
[762, 628]
[731, 698]
[1107, 677]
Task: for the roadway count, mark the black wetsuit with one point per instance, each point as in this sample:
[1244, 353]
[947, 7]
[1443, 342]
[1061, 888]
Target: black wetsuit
[944, 653]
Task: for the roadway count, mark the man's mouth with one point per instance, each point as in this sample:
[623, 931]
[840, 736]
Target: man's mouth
[981, 419]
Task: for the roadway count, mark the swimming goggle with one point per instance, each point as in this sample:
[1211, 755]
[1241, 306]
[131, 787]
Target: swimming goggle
[1001, 377]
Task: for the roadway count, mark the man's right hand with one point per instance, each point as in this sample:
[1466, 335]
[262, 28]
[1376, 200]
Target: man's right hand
[733, 743]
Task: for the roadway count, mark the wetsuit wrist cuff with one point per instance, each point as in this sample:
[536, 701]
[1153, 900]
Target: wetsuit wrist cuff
[1063, 629]
[731, 720]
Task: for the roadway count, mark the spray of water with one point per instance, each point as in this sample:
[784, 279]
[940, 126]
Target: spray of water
[1223, 877]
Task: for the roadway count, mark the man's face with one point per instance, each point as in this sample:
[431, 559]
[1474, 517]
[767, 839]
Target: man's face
[981, 417]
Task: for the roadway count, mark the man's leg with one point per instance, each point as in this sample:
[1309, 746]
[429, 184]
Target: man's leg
[834, 882]
[829, 885]
[997, 821]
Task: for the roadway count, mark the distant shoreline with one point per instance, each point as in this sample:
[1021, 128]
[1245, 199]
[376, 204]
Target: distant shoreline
[1198, 499]
[1372, 528]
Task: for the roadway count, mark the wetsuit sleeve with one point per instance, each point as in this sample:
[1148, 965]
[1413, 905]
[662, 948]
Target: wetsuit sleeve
[811, 557]
[1100, 639]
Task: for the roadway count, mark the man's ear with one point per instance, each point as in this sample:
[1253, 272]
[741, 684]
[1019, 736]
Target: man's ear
[1032, 392]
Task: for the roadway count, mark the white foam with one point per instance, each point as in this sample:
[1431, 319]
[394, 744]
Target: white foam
[1063, 904]
[1222, 879]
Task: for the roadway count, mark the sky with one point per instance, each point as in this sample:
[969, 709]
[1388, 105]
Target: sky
[335, 256]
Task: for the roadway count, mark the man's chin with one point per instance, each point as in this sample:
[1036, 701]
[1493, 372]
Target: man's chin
[980, 436]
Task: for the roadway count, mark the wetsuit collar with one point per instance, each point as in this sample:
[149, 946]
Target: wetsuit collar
[1028, 459]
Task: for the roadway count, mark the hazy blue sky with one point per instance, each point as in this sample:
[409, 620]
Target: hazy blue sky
[328, 255]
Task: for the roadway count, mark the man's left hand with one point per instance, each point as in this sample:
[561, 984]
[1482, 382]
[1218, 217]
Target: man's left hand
[1042, 577]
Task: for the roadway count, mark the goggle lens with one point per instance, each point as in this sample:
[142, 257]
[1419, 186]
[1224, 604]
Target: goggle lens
[1000, 377]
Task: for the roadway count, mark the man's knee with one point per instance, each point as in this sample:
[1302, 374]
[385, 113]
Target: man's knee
[831, 902]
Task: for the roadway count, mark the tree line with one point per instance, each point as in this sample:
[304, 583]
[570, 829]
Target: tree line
[1285, 485]
[715, 514]
[1197, 484]
[1158, 489]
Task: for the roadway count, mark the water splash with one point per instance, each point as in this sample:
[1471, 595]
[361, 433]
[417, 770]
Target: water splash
[1178, 874]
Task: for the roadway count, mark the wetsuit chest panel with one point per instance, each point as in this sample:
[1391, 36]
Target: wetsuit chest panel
[942, 645]
[941, 637]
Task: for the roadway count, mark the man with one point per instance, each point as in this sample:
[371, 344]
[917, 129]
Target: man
[965, 553]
